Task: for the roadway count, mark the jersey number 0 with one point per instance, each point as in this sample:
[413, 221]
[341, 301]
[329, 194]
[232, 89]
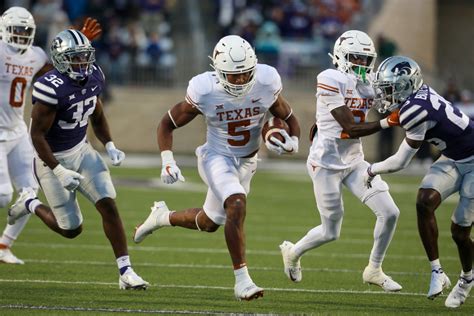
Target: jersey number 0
[17, 92]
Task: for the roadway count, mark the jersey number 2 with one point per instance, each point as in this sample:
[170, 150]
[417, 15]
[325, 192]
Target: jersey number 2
[17, 92]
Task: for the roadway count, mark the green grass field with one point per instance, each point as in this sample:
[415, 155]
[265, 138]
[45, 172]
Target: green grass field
[191, 272]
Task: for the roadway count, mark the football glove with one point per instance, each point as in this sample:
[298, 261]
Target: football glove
[289, 146]
[115, 155]
[369, 177]
[392, 120]
[91, 29]
[170, 172]
[69, 179]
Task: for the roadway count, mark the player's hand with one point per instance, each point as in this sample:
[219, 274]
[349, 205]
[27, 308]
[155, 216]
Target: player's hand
[69, 179]
[91, 29]
[369, 177]
[170, 172]
[289, 146]
[115, 155]
[274, 148]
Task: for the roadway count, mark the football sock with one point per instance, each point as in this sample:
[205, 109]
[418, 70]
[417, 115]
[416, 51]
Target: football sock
[435, 265]
[11, 232]
[32, 204]
[123, 263]
[241, 274]
[375, 265]
[6, 242]
[466, 275]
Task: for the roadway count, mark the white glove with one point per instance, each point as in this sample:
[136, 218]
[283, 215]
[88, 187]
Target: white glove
[289, 146]
[68, 178]
[170, 172]
[368, 177]
[117, 156]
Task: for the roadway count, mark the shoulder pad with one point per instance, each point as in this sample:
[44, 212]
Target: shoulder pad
[203, 83]
[332, 75]
[266, 75]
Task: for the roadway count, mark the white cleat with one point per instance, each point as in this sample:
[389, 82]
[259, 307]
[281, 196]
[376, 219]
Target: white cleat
[6, 256]
[247, 291]
[459, 293]
[19, 208]
[439, 282]
[159, 217]
[292, 264]
[131, 280]
[378, 277]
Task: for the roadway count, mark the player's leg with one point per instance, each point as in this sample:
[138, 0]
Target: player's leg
[382, 205]
[98, 188]
[20, 164]
[441, 181]
[6, 195]
[461, 226]
[327, 186]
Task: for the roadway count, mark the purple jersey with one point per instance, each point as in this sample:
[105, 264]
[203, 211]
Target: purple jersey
[73, 103]
[450, 130]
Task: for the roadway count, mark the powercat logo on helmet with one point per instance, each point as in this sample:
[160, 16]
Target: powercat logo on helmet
[402, 68]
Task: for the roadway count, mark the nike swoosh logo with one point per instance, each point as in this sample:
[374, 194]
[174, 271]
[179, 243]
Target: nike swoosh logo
[256, 100]
[93, 89]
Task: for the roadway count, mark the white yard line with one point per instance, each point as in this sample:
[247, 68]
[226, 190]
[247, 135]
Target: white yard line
[206, 287]
[220, 250]
[200, 266]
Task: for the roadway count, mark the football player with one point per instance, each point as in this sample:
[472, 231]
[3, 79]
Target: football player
[344, 95]
[427, 116]
[65, 99]
[20, 62]
[233, 99]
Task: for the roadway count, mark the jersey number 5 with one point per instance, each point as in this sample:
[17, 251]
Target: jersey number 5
[244, 135]
[17, 92]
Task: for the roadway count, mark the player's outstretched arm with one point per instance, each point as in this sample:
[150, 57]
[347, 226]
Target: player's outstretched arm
[179, 115]
[397, 161]
[343, 115]
[102, 131]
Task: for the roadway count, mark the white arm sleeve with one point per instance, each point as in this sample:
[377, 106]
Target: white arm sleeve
[396, 162]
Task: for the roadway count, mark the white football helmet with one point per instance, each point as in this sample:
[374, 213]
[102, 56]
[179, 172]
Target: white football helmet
[72, 54]
[395, 80]
[18, 28]
[234, 55]
[354, 52]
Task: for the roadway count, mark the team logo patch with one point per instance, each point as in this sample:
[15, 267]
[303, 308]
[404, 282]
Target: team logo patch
[219, 106]
[402, 68]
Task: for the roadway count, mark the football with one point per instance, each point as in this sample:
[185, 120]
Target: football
[272, 127]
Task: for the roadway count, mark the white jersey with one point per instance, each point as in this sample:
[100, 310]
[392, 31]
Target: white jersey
[16, 73]
[331, 148]
[234, 124]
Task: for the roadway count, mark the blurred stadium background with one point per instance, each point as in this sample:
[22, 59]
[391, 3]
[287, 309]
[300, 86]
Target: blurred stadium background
[151, 48]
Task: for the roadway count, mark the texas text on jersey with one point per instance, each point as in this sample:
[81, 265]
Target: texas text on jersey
[73, 102]
[428, 116]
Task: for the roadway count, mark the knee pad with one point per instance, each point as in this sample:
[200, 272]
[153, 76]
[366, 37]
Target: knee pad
[5, 199]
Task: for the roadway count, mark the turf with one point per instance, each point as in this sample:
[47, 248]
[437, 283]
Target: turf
[191, 272]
